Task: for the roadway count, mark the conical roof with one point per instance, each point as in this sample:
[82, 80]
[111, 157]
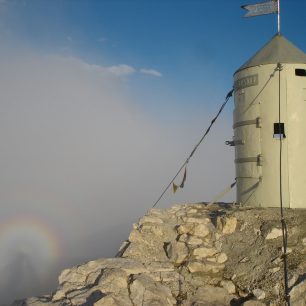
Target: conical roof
[277, 50]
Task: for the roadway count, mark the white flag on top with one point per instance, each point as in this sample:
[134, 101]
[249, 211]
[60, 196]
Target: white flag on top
[263, 8]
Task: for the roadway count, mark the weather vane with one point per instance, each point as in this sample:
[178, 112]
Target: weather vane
[264, 8]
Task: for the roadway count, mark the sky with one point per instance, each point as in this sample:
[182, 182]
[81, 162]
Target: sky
[101, 101]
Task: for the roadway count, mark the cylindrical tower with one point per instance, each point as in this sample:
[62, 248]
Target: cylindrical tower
[270, 107]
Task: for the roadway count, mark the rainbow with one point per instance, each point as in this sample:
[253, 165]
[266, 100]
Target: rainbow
[32, 235]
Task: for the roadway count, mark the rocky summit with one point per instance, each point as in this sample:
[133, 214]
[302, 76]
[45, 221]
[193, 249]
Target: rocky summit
[192, 255]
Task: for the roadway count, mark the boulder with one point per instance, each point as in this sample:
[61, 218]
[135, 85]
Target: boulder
[211, 295]
[205, 267]
[298, 294]
[230, 225]
[144, 291]
[274, 233]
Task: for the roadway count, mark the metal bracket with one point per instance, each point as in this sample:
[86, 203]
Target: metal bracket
[256, 121]
[257, 159]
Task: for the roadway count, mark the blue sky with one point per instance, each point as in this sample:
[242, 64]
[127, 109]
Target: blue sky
[195, 45]
[101, 101]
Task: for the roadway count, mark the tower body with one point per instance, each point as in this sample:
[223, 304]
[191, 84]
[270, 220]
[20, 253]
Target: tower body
[269, 123]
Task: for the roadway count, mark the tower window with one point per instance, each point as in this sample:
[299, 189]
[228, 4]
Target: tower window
[279, 131]
[300, 72]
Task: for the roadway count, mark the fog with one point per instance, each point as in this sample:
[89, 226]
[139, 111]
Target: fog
[81, 161]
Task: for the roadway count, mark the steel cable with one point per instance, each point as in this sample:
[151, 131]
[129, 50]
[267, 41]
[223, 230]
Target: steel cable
[230, 93]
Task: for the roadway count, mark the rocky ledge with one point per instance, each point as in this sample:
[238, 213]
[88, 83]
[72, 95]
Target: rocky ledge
[194, 254]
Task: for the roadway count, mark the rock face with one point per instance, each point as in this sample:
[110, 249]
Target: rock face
[193, 255]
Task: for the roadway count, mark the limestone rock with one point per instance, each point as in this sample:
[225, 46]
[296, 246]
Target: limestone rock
[202, 230]
[178, 252]
[121, 298]
[185, 228]
[230, 226]
[274, 270]
[113, 280]
[36, 301]
[292, 281]
[159, 266]
[108, 301]
[210, 295]
[204, 252]
[192, 254]
[144, 291]
[228, 286]
[222, 258]
[88, 274]
[147, 252]
[197, 220]
[150, 219]
[192, 240]
[298, 294]
[253, 303]
[204, 266]
[275, 233]
[84, 296]
[259, 294]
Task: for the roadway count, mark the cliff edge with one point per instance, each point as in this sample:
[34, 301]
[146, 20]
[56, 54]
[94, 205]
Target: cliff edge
[194, 255]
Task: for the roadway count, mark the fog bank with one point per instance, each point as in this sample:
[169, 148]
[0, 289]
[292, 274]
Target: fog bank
[80, 162]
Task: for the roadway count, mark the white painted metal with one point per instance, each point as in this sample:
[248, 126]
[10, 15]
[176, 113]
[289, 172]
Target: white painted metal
[296, 114]
[256, 110]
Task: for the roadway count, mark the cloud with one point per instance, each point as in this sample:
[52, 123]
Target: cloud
[121, 70]
[78, 152]
[151, 72]
[108, 72]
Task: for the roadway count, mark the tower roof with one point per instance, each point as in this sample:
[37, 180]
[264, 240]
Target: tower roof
[277, 50]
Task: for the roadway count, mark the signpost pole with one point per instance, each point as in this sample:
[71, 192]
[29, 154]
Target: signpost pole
[278, 17]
